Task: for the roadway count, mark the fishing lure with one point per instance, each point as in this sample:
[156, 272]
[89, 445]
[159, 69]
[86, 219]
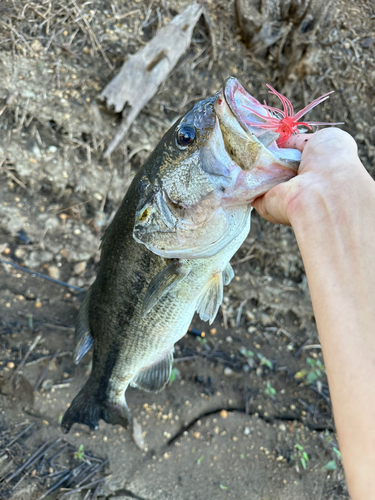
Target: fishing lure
[285, 122]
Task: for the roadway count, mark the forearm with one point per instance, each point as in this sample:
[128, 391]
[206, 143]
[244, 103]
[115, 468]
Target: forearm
[338, 249]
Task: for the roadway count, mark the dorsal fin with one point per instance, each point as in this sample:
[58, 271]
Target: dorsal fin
[154, 377]
[83, 338]
[211, 298]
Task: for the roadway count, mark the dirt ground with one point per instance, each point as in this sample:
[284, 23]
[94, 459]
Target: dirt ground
[248, 413]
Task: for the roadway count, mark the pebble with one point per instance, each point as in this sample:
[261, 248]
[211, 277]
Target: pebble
[47, 384]
[79, 268]
[213, 331]
[54, 272]
[266, 320]
[197, 435]
[229, 339]
[38, 304]
[10, 365]
[246, 431]
[251, 329]
[20, 253]
[228, 371]
[223, 414]
[250, 316]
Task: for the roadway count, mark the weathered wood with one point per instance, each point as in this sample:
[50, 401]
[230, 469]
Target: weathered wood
[141, 75]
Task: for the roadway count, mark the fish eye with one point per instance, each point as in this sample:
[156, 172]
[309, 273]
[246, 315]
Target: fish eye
[185, 136]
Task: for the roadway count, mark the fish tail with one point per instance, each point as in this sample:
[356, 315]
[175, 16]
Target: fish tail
[90, 405]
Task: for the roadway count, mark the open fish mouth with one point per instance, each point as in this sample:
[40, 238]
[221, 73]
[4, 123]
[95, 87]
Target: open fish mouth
[241, 103]
[249, 145]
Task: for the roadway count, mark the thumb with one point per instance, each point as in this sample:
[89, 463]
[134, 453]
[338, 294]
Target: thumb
[272, 206]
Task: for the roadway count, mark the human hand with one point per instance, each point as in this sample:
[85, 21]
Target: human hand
[330, 174]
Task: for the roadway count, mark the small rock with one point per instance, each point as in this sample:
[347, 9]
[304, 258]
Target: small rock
[137, 434]
[213, 331]
[47, 384]
[10, 365]
[266, 320]
[79, 268]
[246, 368]
[229, 339]
[251, 329]
[20, 253]
[36, 46]
[246, 431]
[54, 272]
[228, 371]
[282, 427]
[250, 316]
[197, 435]
[223, 414]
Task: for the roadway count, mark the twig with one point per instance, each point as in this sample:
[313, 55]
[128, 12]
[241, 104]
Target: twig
[84, 486]
[239, 313]
[29, 461]
[31, 348]
[44, 358]
[17, 437]
[36, 387]
[97, 469]
[40, 275]
[186, 358]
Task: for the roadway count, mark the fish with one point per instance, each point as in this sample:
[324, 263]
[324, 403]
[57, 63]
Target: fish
[167, 252]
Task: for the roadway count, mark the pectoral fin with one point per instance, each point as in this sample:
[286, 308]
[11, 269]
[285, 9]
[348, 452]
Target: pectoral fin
[163, 282]
[211, 298]
[83, 337]
[154, 377]
[228, 274]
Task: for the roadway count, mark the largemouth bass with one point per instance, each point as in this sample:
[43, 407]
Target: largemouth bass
[166, 254]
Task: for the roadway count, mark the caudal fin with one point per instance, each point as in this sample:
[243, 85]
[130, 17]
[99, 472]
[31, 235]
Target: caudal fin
[88, 407]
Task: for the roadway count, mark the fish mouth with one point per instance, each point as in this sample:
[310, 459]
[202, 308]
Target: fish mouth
[249, 146]
[241, 103]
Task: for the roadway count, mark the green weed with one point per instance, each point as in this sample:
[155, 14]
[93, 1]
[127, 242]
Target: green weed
[300, 457]
[312, 374]
[269, 390]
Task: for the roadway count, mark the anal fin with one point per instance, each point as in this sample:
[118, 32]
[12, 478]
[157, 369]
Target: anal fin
[83, 337]
[154, 377]
[228, 274]
[162, 283]
[211, 298]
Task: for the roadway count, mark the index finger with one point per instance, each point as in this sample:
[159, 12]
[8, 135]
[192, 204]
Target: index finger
[298, 141]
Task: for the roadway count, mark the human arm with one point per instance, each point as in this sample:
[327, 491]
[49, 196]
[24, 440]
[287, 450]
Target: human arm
[331, 207]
